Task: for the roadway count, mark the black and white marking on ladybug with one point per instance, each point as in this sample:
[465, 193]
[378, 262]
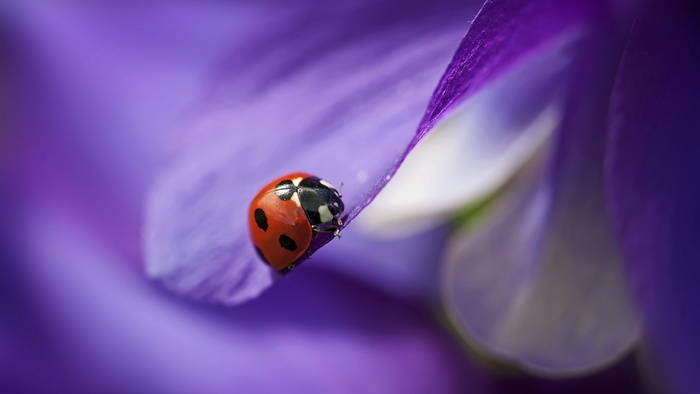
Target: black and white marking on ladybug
[320, 201]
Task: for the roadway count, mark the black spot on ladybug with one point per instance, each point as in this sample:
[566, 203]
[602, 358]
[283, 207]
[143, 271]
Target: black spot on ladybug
[261, 255]
[260, 219]
[285, 190]
[287, 243]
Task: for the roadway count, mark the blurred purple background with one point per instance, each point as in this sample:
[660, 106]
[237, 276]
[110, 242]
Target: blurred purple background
[117, 118]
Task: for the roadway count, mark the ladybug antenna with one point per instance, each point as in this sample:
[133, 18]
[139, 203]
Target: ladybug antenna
[340, 189]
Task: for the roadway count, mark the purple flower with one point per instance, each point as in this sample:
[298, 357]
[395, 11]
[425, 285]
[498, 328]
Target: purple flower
[541, 281]
[98, 94]
[141, 132]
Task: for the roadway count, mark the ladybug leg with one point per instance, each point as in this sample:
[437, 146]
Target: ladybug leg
[287, 270]
[338, 224]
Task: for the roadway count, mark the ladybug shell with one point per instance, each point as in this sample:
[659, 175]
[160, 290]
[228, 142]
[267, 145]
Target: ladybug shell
[279, 229]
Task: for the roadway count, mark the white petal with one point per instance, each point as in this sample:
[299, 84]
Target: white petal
[541, 288]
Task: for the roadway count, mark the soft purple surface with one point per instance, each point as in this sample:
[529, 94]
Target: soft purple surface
[98, 89]
[541, 281]
[93, 106]
[318, 333]
[654, 174]
[345, 112]
[406, 267]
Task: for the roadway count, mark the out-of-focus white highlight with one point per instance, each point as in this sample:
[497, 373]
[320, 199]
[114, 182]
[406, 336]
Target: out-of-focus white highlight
[539, 281]
[543, 289]
[475, 148]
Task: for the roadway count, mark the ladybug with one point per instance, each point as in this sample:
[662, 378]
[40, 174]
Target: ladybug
[288, 213]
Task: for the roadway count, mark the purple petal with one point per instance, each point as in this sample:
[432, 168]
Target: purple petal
[317, 333]
[96, 90]
[397, 242]
[503, 33]
[346, 114]
[474, 149]
[541, 282]
[333, 100]
[655, 183]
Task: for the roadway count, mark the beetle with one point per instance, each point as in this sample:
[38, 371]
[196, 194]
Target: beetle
[288, 213]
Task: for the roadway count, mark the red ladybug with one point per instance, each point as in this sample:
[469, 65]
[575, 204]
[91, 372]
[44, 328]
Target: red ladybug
[286, 215]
